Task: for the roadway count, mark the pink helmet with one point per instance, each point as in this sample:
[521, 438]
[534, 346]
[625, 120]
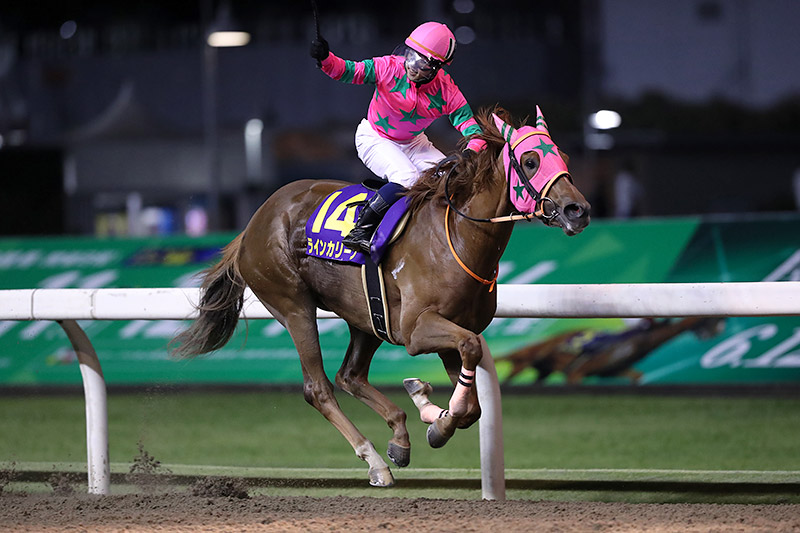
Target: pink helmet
[434, 41]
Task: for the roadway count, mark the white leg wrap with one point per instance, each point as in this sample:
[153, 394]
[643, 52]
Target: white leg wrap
[459, 399]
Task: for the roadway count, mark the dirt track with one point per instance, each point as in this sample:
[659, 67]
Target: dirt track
[181, 512]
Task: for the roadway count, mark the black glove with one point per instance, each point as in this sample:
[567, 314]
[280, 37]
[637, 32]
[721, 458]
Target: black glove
[319, 49]
[468, 153]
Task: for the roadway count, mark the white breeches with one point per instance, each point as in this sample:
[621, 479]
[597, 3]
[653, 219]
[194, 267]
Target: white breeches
[397, 162]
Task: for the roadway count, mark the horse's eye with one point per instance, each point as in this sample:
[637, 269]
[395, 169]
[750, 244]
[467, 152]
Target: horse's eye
[531, 163]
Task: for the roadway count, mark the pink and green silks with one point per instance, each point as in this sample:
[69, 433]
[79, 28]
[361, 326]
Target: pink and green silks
[400, 109]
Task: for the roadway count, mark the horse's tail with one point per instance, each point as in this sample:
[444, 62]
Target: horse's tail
[220, 304]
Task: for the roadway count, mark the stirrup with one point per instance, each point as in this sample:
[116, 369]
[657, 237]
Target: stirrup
[359, 239]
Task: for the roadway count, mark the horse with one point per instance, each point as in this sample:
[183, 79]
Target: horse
[584, 352]
[439, 300]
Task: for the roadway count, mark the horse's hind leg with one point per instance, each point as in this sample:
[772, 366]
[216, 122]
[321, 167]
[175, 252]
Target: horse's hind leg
[353, 379]
[318, 391]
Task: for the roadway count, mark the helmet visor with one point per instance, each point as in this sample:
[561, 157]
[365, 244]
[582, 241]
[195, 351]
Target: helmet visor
[417, 61]
[420, 65]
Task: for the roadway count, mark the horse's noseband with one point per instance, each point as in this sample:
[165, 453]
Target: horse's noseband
[540, 196]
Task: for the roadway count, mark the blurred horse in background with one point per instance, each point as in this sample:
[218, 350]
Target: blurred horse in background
[587, 352]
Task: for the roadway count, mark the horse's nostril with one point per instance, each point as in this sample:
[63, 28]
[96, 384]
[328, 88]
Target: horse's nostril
[574, 211]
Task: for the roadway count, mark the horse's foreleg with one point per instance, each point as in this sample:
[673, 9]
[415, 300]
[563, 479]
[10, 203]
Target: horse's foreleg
[419, 391]
[353, 379]
[464, 400]
[460, 400]
[434, 333]
[442, 423]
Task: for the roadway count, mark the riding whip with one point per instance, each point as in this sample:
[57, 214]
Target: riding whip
[315, 11]
[316, 17]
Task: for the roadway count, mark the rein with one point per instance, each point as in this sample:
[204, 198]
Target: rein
[448, 196]
[491, 282]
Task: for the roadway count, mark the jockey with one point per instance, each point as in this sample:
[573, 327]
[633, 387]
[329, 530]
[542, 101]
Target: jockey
[411, 91]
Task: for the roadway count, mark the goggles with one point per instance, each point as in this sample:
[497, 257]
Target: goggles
[418, 62]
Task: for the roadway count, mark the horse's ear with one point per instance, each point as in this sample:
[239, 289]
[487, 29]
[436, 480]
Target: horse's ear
[499, 122]
[564, 156]
[541, 124]
[506, 131]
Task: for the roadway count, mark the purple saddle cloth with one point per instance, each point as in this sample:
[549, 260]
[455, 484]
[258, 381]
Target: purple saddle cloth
[336, 216]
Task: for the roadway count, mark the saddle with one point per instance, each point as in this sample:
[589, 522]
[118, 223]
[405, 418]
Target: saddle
[334, 218]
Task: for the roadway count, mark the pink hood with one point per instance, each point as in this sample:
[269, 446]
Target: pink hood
[551, 164]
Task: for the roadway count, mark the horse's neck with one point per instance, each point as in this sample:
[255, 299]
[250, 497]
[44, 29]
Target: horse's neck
[482, 242]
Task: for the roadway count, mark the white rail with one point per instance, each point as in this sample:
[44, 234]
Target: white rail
[773, 298]
[542, 301]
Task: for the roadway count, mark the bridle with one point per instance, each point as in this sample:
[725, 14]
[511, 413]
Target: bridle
[539, 196]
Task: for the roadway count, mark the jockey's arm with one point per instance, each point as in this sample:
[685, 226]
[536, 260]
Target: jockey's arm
[347, 71]
[464, 121]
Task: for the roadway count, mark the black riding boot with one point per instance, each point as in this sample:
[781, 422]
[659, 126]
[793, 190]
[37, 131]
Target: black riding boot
[360, 237]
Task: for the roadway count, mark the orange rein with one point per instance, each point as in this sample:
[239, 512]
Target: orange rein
[491, 282]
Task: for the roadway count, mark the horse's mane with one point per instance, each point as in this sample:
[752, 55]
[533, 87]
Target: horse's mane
[471, 174]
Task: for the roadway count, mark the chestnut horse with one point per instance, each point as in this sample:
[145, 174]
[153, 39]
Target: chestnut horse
[439, 299]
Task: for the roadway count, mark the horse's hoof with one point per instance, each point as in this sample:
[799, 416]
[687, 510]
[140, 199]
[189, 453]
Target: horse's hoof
[381, 477]
[418, 390]
[415, 387]
[440, 431]
[399, 455]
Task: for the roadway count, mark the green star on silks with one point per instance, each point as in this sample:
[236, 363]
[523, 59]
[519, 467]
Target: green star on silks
[400, 85]
[383, 122]
[545, 148]
[411, 116]
[519, 189]
[437, 101]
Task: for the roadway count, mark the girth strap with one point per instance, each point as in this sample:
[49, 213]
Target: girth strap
[374, 290]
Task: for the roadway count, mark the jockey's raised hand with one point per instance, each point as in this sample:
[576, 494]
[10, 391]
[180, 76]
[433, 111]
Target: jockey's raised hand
[319, 49]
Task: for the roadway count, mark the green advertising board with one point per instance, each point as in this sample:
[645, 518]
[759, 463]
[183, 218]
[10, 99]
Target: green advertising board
[752, 350]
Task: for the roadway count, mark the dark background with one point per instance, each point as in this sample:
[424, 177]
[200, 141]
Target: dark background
[122, 121]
